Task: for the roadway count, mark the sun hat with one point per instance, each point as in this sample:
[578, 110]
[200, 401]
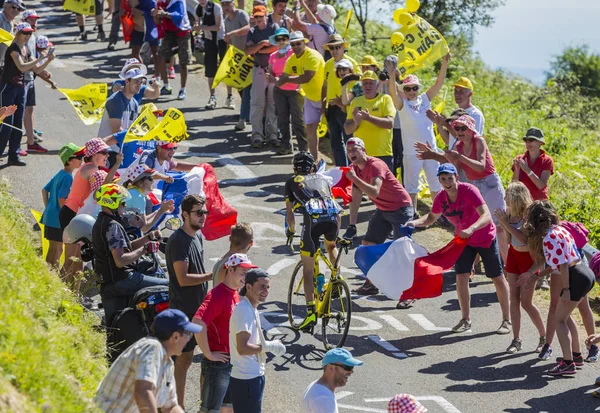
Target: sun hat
[465, 83]
[17, 2]
[343, 64]
[447, 168]
[412, 80]
[172, 320]
[468, 121]
[239, 260]
[405, 403]
[167, 145]
[130, 64]
[259, 11]
[535, 133]
[136, 172]
[97, 180]
[42, 42]
[135, 73]
[334, 39]
[327, 13]
[68, 151]
[29, 14]
[296, 36]
[24, 28]
[282, 31]
[368, 60]
[369, 75]
[95, 145]
[340, 355]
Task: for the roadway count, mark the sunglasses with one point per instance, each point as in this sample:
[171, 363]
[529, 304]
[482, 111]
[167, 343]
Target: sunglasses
[149, 178]
[529, 140]
[347, 368]
[335, 47]
[103, 152]
[294, 44]
[460, 128]
[14, 7]
[413, 88]
[199, 212]
[188, 334]
[281, 39]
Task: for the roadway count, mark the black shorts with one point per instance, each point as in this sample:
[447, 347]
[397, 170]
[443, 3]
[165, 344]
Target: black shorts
[30, 98]
[581, 281]
[382, 222]
[312, 231]
[137, 38]
[99, 6]
[214, 52]
[65, 216]
[53, 234]
[490, 257]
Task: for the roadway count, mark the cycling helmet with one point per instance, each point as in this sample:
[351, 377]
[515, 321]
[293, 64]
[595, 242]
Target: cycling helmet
[304, 163]
[80, 228]
[111, 196]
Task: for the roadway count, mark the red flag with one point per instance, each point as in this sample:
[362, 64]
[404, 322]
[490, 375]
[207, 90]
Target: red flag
[126, 20]
[221, 216]
[341, 187]
[429, 270]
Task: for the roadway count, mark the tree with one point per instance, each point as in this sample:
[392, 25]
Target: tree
[581, 63]
[361, 11]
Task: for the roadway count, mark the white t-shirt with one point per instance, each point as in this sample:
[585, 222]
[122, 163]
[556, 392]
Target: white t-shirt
[221, 32]
[415, 125]
[318, 399]
[244, 318]
[476, 114]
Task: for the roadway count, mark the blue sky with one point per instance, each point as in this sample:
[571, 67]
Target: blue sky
[528, 33]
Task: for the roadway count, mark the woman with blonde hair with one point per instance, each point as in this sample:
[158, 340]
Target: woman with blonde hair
[519, 264]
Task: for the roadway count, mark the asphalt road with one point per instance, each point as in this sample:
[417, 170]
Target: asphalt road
[405, 351]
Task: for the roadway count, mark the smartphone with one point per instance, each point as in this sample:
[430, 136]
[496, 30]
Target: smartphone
[51, 50]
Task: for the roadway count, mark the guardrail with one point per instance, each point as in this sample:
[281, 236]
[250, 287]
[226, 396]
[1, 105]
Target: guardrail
[589, 251]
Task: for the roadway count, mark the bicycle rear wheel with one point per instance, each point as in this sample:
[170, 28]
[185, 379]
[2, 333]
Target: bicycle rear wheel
[296, 299]
[336, 321]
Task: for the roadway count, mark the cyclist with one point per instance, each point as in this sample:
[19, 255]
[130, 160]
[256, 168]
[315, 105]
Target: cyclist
[310, 194]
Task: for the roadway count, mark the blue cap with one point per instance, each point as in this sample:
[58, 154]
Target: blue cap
[447, 168]
[171, 320]
[279, 32]
[340, 355]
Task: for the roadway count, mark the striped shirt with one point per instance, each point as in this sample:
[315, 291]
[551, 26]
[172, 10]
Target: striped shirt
[145, 360]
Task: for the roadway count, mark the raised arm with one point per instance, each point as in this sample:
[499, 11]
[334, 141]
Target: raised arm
[437, 86]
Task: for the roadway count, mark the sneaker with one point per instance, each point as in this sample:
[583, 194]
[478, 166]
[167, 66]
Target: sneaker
[504, 327]
[562, 368]
[541, 344]
[181, 95]
[308, 322]
[171, 72]
[111, 46]
[546, 352]
[597, 381]
[257, 142]
[166, 90]
[368, 288]
[462, 326]
[38, 139]
[82, 37]
[241, 125]
[515, 346]
[285, 151]
[22, 152]
[212, 102]
[543, 284]
[38, 133]
[592, 356]
[577, 360]
[404, 304]
[229, 103]
[36, 147]
[321, 165]
[101, 37]
[16, 162]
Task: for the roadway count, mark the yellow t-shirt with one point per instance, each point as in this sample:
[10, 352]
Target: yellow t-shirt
[334, 86]
[311, 60]
[378, 141]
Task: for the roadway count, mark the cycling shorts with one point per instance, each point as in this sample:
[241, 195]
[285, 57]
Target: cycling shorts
[314, 227]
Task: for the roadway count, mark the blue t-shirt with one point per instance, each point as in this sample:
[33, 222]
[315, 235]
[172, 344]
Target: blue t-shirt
[58, 187]
[118, 107]
[137, 96]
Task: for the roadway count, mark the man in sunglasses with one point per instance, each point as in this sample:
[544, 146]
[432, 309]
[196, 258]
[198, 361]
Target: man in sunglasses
[338, 366]
[188, 281]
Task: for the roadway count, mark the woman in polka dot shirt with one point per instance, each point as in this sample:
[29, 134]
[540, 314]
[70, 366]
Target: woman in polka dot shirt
[570, 280]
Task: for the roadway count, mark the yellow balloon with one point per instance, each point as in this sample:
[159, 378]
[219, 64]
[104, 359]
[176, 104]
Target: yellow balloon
[397, 13]
[397, 38]
[405, 19]
[413, 5]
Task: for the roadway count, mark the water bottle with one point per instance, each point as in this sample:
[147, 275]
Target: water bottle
[320, 282]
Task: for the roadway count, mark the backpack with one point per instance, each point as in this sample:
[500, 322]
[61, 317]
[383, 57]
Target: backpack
[578, 232]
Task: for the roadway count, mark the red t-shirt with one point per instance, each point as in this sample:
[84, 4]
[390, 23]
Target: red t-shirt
[463, 213]
[542, 163]
[392, 194]
[215, 311]
[471, 173]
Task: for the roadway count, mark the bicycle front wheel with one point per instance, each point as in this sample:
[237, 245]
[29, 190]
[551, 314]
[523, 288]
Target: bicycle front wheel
[296, 299]
[336, 321]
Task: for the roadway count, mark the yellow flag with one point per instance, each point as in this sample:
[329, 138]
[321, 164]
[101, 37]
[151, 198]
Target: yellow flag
[146, 127]
[6, 37]
[347, 25]
[144, 123]
[86, 7]
[322, 128]
[235, 69]
[439, 108]
[423, 186]
[88, 101]
[37, 215]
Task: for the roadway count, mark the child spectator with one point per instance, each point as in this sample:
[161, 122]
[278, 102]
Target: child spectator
[240, 242]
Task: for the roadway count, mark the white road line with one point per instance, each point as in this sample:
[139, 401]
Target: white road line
[388, 346]
[280, 265]
[364, 298]
[267, 326]
[235, 201]
[394, 322]
[369, 324]
[361, 409]
[443, 403]
[341, 394]
[240, 170]
[427, 325]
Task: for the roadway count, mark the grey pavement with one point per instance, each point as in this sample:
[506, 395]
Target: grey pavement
[405, 351]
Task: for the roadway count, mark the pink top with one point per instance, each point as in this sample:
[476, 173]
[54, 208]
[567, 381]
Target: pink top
[463, 213]
[80, 190]
[559, 247]
[278, 63]
[472, 174]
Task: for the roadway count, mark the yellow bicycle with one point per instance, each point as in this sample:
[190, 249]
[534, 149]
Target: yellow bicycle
[332, 302]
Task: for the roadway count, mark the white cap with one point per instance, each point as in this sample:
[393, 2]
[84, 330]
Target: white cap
[42, 42]
[130, 64]
[327, 13]
[344, 63]
[29, 14]
[135, 73]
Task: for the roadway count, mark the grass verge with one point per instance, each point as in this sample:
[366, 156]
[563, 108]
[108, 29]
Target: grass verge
[50, 352]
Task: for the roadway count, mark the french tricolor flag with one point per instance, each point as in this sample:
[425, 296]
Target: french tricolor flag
[341, 187]
[403, 269]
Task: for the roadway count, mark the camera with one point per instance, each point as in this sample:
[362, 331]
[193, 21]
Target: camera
[383, 75]
[349, 78]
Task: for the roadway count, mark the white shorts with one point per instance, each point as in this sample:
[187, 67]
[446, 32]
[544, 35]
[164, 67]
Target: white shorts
[411, 170]
[312, 111]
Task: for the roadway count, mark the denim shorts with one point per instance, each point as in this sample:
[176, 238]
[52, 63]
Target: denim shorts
[215, 387]
[247, 395]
